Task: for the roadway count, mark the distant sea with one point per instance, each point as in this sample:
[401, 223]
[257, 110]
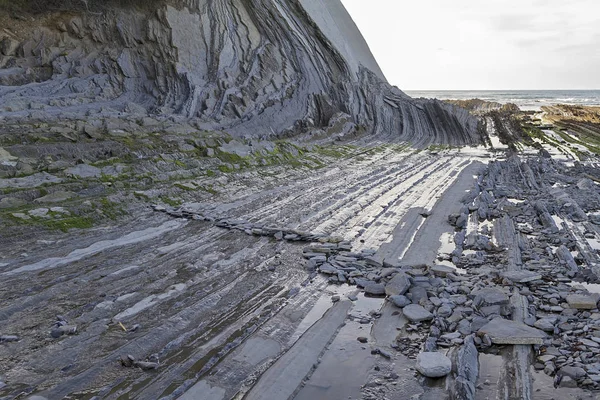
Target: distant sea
[525, 99]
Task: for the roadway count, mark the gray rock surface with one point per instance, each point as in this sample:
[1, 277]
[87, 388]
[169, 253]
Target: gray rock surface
[416, 313]
[583, 301]
[490, 297]
[317, 60]
[521, 276]
[375, 289]
[503, 331]
[433, 364]
[400, 301]
[399, 285]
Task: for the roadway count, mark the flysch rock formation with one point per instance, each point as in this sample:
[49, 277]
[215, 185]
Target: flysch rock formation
[156, 244]
[254, 69]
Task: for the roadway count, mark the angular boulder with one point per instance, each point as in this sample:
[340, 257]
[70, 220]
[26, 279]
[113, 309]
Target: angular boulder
[399, 284]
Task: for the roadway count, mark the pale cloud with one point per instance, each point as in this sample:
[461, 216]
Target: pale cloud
[492, 44]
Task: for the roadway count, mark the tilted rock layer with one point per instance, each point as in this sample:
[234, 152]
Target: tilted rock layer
[259, 68]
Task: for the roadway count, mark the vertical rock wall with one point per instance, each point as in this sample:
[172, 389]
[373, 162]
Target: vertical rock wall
[254, 68]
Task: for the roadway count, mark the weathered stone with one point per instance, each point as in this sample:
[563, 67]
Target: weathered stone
[328, 269]
[39, 212]
[490, 297]
[546, 324]
[84, 171]
[56, 197]
[467, 368]
[433, 364]
[583, 301]
[146, 365]
[416, 313]
[375, 289]
[399, 284]
[589, 343]
[572, 372]
[521, 276]
[8, 338]
[442, 270]
[11, 202]
[444, 311]
[400, 301]
[568, 382]
[63, 330]
[503, 331]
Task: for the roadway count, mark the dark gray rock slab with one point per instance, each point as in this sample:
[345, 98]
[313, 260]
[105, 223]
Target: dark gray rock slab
[504, 331]
[398, 285]
[433, 364]
[416, 313]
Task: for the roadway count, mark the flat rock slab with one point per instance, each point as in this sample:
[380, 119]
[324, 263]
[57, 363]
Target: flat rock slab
[583, 301]
[399, 284]
[328, 269]
[442, 270]
[287, 373]
[433, 364]
[521, 276]
[504, 331]
[490, 297]
[84, 171]
[375, 289]
[56, 197]
[416, 313]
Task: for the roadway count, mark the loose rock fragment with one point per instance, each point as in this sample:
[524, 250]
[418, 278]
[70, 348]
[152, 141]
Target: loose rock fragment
[503, 331]
[9, 338]
[416, 313]
[582, 301]
[433, 364]
[63, 330]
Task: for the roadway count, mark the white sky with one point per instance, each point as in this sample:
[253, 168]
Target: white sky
[483, 44]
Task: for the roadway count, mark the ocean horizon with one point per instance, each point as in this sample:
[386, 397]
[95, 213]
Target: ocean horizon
[526, 99]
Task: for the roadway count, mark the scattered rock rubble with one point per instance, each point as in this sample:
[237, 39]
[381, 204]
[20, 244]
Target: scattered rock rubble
[474, 311]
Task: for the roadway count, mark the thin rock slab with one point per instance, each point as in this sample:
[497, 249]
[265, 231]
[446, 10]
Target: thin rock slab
[416, 313]
[374, 289]
[442, 270]
[583, 301]
[504, 331]
[490, 297]
[521, 276]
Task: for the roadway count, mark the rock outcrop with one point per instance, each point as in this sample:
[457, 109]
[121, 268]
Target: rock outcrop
[257, 69]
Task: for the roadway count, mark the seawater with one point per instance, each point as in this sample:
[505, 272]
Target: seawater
[525, 99]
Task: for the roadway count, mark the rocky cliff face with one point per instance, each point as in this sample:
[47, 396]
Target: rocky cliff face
[256, 69]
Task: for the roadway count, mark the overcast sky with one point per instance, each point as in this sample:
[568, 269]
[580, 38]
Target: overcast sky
[483, 44]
